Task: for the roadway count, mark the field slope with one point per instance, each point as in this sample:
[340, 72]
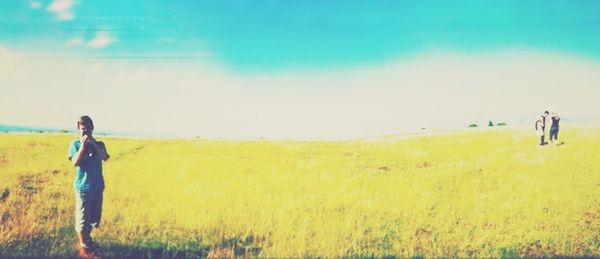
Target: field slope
[489, 193]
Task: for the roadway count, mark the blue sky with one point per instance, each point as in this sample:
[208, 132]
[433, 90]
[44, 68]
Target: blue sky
[266, 36]
[297, 68]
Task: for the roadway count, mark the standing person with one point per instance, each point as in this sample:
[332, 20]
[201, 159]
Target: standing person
[539, 128]
[543, 133]
[87, 154]
[554, 128]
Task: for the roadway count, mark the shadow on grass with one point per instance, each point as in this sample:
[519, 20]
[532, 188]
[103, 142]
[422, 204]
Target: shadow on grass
[46, 247]
[233, 247]
[125, 251]
[36, 248]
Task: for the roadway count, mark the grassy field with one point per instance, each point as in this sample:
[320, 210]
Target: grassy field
[478, 193]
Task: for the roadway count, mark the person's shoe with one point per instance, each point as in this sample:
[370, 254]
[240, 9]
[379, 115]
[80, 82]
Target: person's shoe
[87, 253]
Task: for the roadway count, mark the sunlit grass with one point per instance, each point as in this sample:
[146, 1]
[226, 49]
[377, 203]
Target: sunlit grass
[470, 194]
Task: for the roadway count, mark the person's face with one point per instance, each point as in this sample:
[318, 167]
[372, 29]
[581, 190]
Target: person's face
[84, 129]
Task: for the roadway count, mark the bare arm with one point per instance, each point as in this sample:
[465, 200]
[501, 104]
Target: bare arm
[79, 157]
[101, 152]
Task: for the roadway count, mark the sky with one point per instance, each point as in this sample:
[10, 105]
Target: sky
[296, 69]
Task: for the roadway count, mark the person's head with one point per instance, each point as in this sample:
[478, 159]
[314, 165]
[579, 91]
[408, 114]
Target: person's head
[85, 125]
[546, 113]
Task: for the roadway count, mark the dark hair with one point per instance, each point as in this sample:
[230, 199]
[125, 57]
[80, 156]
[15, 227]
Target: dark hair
[85, 120]
[546, 112]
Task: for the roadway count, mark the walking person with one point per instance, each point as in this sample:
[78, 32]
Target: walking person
[87, 155]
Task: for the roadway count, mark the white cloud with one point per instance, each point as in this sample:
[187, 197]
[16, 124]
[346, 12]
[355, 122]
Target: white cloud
[7, 54]
[75, 41]
[65, 16]
[435, 90]
[62, 9]
[35, 4]
[101, 40]
[7, 58]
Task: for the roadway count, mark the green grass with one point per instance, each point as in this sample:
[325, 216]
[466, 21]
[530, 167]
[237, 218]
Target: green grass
[477, 193]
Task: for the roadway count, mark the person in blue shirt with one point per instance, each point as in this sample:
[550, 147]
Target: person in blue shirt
[554, 128]
[87, 155]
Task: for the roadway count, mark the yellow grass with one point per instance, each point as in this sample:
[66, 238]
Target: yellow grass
[471, 194]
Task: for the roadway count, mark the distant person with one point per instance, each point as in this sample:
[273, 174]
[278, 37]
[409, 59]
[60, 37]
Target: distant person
[544, 117]
[540, 127]
[87, 154]
[554, 128]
